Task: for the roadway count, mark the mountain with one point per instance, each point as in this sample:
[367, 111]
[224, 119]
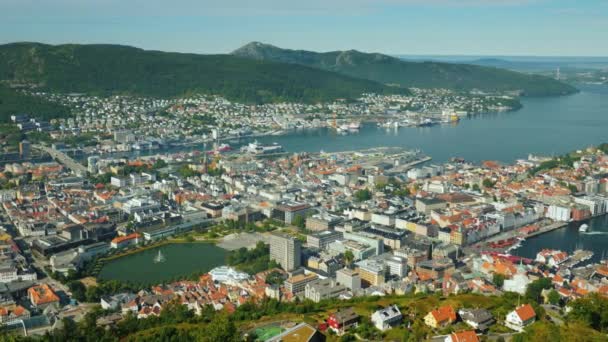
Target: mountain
[390, 70]
[116, 69]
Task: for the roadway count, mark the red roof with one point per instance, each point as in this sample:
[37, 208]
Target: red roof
[525, 312]
[465, 336]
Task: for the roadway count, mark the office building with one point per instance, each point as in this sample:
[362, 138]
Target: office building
[285, 250]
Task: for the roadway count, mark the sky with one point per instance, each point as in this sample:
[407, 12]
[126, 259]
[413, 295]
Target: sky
[410, 27]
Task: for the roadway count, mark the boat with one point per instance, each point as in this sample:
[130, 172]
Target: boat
[354, 126]
[220, 149]
[583, 228]
[257, 148]
[159, 257]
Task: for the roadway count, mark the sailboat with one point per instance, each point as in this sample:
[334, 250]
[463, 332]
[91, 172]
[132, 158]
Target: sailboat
[159, 257]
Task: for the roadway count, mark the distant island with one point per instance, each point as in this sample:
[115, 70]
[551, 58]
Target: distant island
[390, 70]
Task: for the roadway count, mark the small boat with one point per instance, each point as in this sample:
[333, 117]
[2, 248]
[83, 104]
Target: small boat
[583, 228]
[159, 258]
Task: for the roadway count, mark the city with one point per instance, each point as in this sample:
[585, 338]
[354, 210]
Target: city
[303, 171]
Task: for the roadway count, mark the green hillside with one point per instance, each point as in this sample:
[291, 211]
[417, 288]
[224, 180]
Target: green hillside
[390, 70]
[15, 102]
[114, 69]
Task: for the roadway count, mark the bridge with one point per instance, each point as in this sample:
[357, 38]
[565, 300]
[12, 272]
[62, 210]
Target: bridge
[64, 159]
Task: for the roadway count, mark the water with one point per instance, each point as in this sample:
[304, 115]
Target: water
[569, 239]
[181, 260]
[548, 126]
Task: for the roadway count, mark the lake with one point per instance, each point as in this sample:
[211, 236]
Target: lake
[181, 260]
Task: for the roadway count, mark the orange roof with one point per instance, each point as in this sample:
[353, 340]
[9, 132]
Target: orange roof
[525, 312]
[444, 313]
[120, 239]
[465, 336]
[42, 294]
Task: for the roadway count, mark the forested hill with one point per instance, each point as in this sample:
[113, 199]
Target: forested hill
[390, 70]
[116, 69]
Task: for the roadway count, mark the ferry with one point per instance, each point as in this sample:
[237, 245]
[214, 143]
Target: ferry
[257, 148]
[583, 228]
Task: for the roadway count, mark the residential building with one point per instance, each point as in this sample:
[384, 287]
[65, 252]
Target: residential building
[385, 319]
[462, 336]
[478, 319]
[441, 317]
[343, 320]
[521, 317]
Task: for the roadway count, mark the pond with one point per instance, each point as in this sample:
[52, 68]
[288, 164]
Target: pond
[179, 260]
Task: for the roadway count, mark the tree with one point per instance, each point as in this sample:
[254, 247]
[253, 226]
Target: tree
[498, 279]
[488, 183]
[553, 297]
[534, 289]
[363, 195]
[221, 328]
[348, 257]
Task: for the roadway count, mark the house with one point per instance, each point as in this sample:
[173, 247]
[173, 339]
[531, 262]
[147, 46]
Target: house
[42, 296]
[478, 319]
[342, 320]
[462, 336]
[386, 318]
[521, 317]
[441, 317]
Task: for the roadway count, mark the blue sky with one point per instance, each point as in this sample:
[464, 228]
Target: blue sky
[425, 27]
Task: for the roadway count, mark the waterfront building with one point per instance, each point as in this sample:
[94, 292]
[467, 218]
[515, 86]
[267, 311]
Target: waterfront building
[286, 250]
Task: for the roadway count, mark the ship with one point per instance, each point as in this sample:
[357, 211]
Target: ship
[159, 258]
[257, 148]
[220, 149]
[583, 228]
[354, 126]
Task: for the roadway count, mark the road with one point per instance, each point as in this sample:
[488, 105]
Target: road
[64, 159]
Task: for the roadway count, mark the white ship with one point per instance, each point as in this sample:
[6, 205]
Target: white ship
[583, 228]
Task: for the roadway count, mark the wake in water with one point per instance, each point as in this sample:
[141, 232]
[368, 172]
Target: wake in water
[595, 233]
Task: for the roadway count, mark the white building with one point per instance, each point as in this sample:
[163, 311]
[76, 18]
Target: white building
[520, 318]
[386, 318]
